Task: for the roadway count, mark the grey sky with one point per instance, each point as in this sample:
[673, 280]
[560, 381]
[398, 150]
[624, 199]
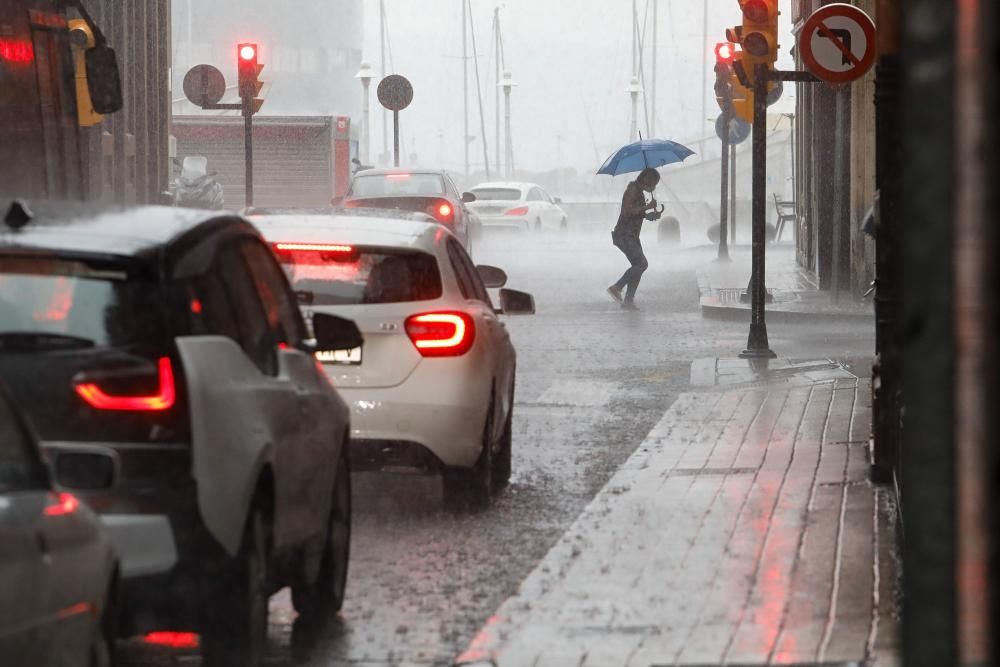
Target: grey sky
[571, 61]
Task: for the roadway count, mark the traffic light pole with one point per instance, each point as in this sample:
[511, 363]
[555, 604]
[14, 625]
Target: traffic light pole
[248, 147]
[395, 138]
[723, 255]
[757, 344]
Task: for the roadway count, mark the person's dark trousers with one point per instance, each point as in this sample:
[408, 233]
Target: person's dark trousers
[632, 248]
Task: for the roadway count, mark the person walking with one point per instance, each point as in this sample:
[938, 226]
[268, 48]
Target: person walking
[635, 208]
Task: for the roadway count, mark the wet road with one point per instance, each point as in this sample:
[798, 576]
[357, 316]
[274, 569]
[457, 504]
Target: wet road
[592, 381]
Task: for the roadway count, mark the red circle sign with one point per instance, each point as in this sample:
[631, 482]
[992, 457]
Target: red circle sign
[838, 43]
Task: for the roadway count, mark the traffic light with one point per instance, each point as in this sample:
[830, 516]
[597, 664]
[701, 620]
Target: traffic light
[724, 55]
[249, 73]
[759, 34]
[81, 38]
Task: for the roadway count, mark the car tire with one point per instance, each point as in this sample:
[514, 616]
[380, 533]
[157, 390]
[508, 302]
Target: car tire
[472, 488]
[103, 634]
[326, 596]
[237, 634]
[503, 457]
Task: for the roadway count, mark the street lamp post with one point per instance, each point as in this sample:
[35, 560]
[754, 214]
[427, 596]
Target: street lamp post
[507, 82]
[634, 88]
[366, 75]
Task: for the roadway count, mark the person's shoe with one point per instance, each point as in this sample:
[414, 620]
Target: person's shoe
[616, 293]
[628, 305]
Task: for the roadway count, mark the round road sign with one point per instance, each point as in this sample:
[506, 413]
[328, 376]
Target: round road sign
[838, 43]
[395, 92]
[204, 85]
[739, 129]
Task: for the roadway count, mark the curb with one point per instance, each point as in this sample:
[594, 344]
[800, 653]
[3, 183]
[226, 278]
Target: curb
[742, 314]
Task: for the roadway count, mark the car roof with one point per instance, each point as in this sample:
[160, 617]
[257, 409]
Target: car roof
[517, 185]
[351, 230]
[100, 228]
[400, 170]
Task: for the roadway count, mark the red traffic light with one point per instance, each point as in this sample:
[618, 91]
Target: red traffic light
[725, 52]
[756, 11]
[247, 52]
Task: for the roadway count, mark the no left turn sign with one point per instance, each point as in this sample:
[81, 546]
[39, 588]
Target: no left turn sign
[838, 43]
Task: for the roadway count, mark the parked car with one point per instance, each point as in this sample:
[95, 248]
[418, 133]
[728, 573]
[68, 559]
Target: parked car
[432, 387]
[525, 206]
[58, 569]
[422, 190]
[171, 337]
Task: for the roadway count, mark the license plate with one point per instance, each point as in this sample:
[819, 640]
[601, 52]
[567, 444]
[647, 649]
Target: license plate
[341, 357]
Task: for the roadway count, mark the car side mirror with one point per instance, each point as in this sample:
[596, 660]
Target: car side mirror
[492, 276]
[84, 470]
[335, 333]
[468, 197]
[103, 79]
[513, 302]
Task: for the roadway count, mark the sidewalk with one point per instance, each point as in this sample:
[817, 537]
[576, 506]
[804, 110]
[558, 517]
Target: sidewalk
[794, 291]
[742, 531]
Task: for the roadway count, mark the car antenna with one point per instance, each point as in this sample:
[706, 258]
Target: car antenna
[18, 215]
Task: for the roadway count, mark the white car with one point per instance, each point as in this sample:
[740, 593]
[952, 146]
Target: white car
[432, 386]
[524, 206]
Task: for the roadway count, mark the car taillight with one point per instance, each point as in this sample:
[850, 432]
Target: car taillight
[336, 248]
[442, 211]
[163, 399]
[445, 334]
[62, 504]
[172, 639]
[520, 210]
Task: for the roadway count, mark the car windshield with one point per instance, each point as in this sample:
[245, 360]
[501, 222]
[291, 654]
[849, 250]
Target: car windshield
[497, 194]
[351, 276]
[379, 185]
[51, 300]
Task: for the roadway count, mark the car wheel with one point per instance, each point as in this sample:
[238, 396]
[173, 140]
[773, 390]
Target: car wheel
[237, 634]
[103, 635]
[502, 458]
[326, 596]
[472, 488]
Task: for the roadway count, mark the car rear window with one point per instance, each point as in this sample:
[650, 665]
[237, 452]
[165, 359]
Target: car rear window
[100, 303]
[351, 276]
[394, 185]
[497, 194]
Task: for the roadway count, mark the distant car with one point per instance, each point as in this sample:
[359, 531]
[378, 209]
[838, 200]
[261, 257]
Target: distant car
[432, 387]
[525, 206]
[171, 338]
[421, 190]
[58, 569]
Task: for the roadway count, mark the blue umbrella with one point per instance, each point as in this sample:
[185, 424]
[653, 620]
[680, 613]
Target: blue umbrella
[645, 153]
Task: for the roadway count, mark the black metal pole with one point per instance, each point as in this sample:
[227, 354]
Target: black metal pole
[395, 137]
[723, 255]
[732, 194]
[248, 147]
[757, 345]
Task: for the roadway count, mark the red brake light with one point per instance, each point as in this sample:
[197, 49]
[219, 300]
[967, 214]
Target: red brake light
[65, 503]
[16, 51]
[163, 399]
[172, 639]
[444, 210]
[520, 210]
[445, 334]
[397, 177]
[314, 247]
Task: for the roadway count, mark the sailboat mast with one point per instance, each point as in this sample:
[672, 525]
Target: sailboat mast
[652, 127]
[465, 86]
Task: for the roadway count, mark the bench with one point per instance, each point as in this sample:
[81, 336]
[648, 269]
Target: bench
[786, 213]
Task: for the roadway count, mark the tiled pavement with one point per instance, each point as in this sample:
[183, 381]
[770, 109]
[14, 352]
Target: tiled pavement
[742, 531]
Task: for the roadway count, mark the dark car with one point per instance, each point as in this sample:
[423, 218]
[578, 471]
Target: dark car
[420, 190]
[172, 339]
[58, 569]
